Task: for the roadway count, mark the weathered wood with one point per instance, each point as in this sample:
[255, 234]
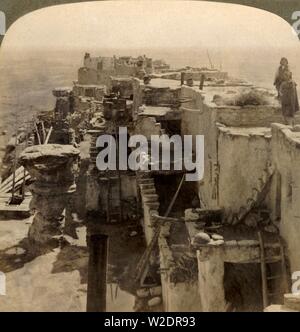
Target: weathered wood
[48, 135]
[9, 179]
[97, 267]
[147, 253]
[263, 270]
[18, 179]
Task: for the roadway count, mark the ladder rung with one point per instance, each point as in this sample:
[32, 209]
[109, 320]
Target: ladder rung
[272, 259]
[115, 213]
[273, 294]
[274, 277]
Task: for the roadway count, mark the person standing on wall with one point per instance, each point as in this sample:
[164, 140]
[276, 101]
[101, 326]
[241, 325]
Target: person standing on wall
[279, 78]
[289, 98]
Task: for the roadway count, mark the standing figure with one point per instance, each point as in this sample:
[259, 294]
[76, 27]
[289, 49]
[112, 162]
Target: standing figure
[279, 78]
[289, 98]
[182, 77]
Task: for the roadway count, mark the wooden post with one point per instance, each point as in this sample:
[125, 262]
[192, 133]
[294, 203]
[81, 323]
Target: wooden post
[37, 133]
[14, 171]
[182, 77]
[202, 79]
[96, 293]
[174, 197]
[263, 270]
[43, 132]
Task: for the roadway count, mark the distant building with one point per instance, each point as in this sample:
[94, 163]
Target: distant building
[97, 70]
[160, 65]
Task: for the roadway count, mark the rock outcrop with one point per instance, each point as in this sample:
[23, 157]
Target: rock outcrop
[53, 168]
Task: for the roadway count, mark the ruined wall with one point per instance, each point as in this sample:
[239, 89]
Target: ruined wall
[286, 157]
[199, 119]
[149, 203]
[201, 116]
[243, 155]
[137, 96]
[249, 116]
[97, 192]
[177, 296]
[123, 85]
[87, 76]
[124, 70]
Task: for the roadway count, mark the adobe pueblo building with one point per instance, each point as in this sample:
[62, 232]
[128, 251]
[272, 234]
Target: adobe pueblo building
[227, 242]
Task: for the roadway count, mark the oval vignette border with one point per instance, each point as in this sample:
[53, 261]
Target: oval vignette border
[14, 9]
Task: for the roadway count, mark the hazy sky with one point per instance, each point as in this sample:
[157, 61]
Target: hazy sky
[132, 24]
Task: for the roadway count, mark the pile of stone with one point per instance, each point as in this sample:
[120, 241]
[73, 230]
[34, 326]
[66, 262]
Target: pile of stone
[203, 238]
[149, 297]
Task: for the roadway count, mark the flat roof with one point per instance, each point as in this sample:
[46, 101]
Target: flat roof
[155, 110]
[227, 92]
[164, 83]
[245, 131]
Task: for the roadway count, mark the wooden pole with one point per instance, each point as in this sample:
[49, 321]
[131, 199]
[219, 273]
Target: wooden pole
[174, 197]
[48, 135]
[37, 133]
[263, 270]
[119, 174]
[24, 174]
[202, 79]
[142, 264]
[14, 171]
[97, 267]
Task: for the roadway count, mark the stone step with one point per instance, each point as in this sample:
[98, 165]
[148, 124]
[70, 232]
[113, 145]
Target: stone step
[278, 308]
[150, 198]
[153, 205]
[149, 191]
[292, 301]
[147, 186]
[146, 181]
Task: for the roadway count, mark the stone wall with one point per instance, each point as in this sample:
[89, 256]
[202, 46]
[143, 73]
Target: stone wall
[243, 155]
[96, 194]
[249, 116]
[199, 119]
[286, 195]
[177, 296]
[200, 116]
[87, 76]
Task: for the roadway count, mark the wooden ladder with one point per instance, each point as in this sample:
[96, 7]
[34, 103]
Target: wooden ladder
[144, 260]
[267, 278]
[116, 211]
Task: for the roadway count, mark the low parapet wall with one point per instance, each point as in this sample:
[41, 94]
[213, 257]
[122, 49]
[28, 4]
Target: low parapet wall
[178, 295]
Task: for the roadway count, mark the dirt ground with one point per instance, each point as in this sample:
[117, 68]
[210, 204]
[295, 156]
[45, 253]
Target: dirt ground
[54, 282]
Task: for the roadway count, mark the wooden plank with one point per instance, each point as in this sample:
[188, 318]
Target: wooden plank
[18, 182]
[37, 133]
[48, 135]
[9, 179]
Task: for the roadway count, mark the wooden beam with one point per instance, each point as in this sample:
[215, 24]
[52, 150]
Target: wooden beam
[97, 267]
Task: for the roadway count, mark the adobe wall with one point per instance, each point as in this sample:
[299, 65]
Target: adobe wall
[87, 76]
[201, 116]
[177, 296]
[198, 119]
[243, 155]
[249, 116]
[286, 158]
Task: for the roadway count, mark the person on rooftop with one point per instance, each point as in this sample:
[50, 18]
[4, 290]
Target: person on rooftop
[279, 77]
[289, 98]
